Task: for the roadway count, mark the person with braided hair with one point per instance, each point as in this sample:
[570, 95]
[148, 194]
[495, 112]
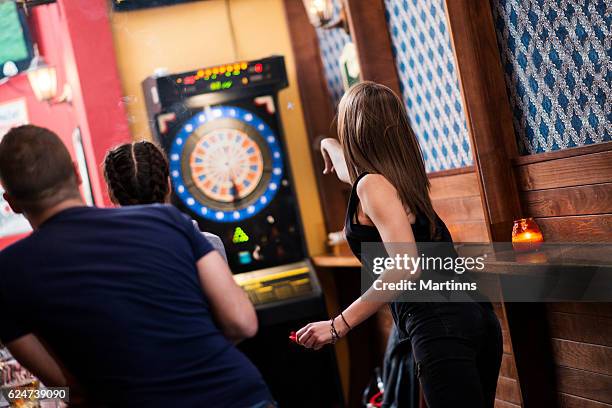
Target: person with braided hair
[129, 306]
[138, 173]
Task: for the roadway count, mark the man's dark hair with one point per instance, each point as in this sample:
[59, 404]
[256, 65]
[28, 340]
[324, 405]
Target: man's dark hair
[36, 168]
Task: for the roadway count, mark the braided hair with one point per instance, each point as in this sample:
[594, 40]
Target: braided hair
[137, 173]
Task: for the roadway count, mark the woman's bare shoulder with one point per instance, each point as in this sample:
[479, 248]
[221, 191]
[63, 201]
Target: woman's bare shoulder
[378, 196]
[374, 185]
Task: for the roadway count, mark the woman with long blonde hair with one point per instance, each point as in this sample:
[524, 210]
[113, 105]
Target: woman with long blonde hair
[457, 346]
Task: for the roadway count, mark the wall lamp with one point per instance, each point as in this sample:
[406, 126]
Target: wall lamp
[43, 80]
[320, 14]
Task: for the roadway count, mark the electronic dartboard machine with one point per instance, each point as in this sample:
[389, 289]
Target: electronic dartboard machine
[229, 170]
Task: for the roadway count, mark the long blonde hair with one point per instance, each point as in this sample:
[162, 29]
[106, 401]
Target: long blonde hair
[376, 138]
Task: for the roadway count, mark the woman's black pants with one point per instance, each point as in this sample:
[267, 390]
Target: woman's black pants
[457, 348]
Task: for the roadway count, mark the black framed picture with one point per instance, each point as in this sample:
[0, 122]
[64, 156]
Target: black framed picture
[127, 5]
[16, 49]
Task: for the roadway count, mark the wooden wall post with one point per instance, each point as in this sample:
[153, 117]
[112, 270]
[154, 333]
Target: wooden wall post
[488, 113]
[489, 121]
[318, 109]
[368, 27]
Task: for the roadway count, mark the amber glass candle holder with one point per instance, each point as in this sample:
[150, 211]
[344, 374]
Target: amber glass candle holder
[526, 235]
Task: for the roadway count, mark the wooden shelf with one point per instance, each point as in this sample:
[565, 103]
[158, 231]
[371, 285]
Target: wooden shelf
[333, 261]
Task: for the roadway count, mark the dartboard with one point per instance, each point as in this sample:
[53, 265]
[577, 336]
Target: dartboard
[226, 164]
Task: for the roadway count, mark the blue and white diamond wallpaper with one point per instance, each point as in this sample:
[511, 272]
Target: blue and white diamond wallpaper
[331, 44]
[557, 58]
[429, 80]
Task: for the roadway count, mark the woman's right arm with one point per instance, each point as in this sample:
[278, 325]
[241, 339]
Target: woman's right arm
[334, 159]
[231, 307]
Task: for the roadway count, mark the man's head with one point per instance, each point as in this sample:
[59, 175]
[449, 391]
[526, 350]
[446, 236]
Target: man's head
[36, 170]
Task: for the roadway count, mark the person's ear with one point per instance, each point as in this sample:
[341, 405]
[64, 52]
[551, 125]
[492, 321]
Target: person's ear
[77, 173]
[14, 206]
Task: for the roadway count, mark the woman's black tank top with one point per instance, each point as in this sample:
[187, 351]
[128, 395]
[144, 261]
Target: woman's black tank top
[357, 233]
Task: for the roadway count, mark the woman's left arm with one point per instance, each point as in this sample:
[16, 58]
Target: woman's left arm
[381, 203]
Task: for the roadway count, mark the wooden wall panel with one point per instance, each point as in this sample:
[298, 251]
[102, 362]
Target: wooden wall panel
[508, 390]
[571, 401]
[589, 309]
[567, 201]
[586, 169]
[585, 384]
[505, 404]
[468, 231]
[507, 345]
[587, 228]
[584, 356]
[508, 377]
[456, 198]
[460, 209]
[507, 367]
[498, 308]
[581, 328]
[454, 185]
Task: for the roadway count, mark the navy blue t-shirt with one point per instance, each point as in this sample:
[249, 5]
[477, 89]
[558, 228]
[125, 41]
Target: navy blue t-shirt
[115, 294]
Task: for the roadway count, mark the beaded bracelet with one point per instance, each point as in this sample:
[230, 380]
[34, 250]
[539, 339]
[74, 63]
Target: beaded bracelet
[334, 333]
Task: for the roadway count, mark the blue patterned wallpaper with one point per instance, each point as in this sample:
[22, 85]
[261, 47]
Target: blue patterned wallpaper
[429, 80]
[557, 58]
[331, 44]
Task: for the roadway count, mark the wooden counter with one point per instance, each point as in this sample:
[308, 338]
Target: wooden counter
[336, 261]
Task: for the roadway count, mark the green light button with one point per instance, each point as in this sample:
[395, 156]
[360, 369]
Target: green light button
[239, 236]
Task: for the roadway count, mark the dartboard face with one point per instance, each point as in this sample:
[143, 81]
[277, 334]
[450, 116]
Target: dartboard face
[226, 164]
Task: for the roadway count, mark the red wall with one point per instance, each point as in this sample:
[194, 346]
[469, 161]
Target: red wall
[75, 37]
